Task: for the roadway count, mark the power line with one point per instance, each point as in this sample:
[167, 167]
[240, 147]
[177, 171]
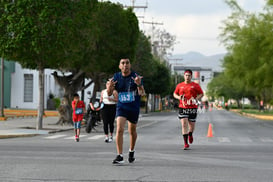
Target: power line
[152, 23]
[153, 26]
[136, 7]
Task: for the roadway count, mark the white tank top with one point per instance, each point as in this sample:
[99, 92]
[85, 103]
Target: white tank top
[105, 97]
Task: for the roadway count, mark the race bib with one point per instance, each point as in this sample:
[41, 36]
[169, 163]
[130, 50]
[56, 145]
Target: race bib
[126, 97]
[78, 111]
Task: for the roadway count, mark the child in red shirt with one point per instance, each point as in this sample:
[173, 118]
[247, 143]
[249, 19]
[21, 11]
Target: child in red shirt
[78, 107]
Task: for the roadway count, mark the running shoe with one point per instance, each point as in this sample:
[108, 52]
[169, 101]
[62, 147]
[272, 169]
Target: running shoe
[110, 139]
[190, 139]
[131, 158]
[118, 160]
[106, 140]
[186, 146]
[77, 138]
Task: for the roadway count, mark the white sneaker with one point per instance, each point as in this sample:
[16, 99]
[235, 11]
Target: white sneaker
[110, 139]
[106, 140]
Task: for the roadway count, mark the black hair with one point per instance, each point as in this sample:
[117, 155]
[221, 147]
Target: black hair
[188, 70]
[76, 95]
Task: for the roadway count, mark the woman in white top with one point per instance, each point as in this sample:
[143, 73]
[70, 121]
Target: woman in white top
[108, 111]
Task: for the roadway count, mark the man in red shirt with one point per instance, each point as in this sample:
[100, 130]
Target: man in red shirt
[188, 93]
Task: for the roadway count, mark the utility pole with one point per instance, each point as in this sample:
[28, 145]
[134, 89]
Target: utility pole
[2, 87]
[133, 6]
[153, 26]
[152, 23]
[154, 43]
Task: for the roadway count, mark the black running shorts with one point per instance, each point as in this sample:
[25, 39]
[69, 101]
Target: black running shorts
[191, 114]
[131, 116]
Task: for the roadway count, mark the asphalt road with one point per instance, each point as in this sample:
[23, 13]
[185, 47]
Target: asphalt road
[241, 149]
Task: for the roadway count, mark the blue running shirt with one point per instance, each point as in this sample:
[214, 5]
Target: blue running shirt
[129, 98]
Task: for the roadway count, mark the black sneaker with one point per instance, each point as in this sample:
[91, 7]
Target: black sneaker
[118, 160]
[131, 158]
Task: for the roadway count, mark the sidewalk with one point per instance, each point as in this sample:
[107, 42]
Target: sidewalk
[23, 127]
[26, 126]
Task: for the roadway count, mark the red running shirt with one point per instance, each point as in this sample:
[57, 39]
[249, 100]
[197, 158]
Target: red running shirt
[77, 117]
[190, 92]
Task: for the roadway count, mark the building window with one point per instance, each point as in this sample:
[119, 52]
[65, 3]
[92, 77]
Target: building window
[28, 88]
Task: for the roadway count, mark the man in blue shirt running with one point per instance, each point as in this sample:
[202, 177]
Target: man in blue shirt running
[130, 88]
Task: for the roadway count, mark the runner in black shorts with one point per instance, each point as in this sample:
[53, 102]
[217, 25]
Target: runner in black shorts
[191, 114]
[129, 86]
[188, 93]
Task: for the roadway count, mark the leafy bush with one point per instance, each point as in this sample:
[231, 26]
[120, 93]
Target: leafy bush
[248, 106]
[57, 102]
[233, 106]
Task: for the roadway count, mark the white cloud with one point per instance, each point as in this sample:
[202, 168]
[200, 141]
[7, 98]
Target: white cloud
[252, 5]
[195, 23]
[194, 32]
[198, 33]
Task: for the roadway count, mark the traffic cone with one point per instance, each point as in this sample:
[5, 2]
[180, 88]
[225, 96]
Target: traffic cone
[210, 133]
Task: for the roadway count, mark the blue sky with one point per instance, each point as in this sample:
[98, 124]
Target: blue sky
[195, 23]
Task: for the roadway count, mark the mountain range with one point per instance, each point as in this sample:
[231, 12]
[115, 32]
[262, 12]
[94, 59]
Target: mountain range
[197, 59]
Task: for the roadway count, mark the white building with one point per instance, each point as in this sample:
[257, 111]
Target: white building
[25, 88]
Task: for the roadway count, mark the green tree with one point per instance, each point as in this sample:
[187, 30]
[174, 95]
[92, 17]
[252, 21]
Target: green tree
[112, 35]
[160, 80]
[35, 33]
[85, 38]
[248, 38]
[151, 68]
[221, 86]
[80, 49]
[143, 63]
[163, 43]
[117, 38]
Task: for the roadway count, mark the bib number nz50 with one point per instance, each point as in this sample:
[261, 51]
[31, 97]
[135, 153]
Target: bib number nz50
[126, 97]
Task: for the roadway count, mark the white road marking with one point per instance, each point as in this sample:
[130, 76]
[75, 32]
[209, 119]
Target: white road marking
[148, 124]
[55, 136]
[223, 139]
[266, 139]
[245, 139]
[73, 137]
[96, 137]
[197, 139]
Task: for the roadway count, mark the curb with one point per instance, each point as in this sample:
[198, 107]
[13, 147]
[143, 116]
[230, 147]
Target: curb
[17, 136]
[3, 118]
[61, 130]
[262, 117]
[31, 134]
[255, 116]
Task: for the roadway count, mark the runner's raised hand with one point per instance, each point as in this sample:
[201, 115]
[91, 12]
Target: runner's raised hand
[137, 79]
[112, 82]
